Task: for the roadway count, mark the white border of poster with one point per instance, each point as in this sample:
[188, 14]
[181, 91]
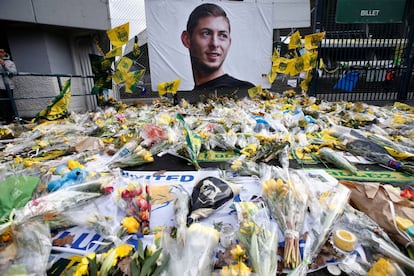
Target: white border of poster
[249, 57]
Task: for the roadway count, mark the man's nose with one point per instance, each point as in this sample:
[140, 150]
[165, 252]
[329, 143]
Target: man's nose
[214, 41]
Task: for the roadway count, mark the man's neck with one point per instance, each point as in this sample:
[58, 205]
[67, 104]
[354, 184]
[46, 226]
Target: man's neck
[203, 78]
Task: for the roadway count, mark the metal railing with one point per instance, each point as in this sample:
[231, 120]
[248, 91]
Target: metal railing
[374, 60]
[12, 98]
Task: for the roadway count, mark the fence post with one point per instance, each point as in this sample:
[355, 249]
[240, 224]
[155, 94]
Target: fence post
[317, 25]
[409, 61]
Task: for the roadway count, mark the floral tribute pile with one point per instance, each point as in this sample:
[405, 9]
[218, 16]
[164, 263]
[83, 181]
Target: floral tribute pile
[58, 174]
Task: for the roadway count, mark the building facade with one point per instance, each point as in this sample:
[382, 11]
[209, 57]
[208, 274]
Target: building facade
[51, 38]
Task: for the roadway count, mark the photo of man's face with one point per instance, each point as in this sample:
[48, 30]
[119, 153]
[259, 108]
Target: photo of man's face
[209, 43]
[240, 41]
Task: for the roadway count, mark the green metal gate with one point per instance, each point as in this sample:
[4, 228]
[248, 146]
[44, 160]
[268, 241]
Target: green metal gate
[367, 54]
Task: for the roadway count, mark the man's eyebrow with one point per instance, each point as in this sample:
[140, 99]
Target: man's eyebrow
[211, 30]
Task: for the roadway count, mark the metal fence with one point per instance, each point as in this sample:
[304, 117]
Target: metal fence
[34, 91]
[370, 62]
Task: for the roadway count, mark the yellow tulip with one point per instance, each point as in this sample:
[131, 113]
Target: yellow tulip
[123, 250]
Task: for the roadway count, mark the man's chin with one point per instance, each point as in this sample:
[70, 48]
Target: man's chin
[208, 69]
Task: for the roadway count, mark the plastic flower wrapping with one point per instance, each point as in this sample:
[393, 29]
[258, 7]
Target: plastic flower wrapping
[286, 198]
[71, 173]
[326, 211]
[260, 238]
[135, 199]
[191, 248]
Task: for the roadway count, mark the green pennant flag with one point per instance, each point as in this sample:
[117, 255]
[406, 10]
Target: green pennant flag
[193, 142]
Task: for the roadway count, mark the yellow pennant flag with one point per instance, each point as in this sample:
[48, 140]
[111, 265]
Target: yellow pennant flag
[281, 65]
[312, 41]
[295, 66]
[295, 41]
[116, 52]
[59, 107]
[119, 35]
[254, 91]
[168, 87]
[136, 51]
[124, 64]
[132, 79]
[306, 81]
[310, 59]
[119, 77]
[275, 55]
[272, 76]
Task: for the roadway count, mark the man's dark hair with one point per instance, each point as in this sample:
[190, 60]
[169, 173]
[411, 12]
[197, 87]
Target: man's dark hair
[204, 10]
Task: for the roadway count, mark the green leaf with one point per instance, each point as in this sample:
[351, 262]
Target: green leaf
[162, 267]
[135, 267]
[93, 268]
[141, 254]
[147, 267]
[107, 263]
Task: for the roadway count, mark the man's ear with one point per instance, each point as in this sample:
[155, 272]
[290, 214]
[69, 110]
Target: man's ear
[185, 38]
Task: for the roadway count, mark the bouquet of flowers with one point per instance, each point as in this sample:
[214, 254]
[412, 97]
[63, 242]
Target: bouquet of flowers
[48, 206]
[123, 259]
[259, 237]
[238, 265]
[287, 200]
[135, 199]
[357, 143]
[131, 154]
[196, 255]
[193, 143]
[328, 213]
[24, 250]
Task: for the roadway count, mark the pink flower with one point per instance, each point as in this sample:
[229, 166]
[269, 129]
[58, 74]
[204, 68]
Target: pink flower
[153, 134]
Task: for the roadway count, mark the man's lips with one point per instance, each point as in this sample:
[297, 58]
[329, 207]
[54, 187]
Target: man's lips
[213, 56]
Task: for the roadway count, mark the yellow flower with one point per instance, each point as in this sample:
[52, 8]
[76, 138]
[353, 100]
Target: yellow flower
[99, 122]
[239, 269]
[270, 186]
[73, 164]
[249, 150]
[108, 140]
[83, 267]
[381, 267]
[315, 107]
[204, 134]
[130, 224]
[42, 143]
[236, 165]
[399, 119]
[238, 253]
[123, 138]
[164, 119]
[18, 160]
[247, 228]
[123, 250]
[28, 163]
[148, 157]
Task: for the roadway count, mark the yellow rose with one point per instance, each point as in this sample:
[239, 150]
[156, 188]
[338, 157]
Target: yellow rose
[130, 224]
